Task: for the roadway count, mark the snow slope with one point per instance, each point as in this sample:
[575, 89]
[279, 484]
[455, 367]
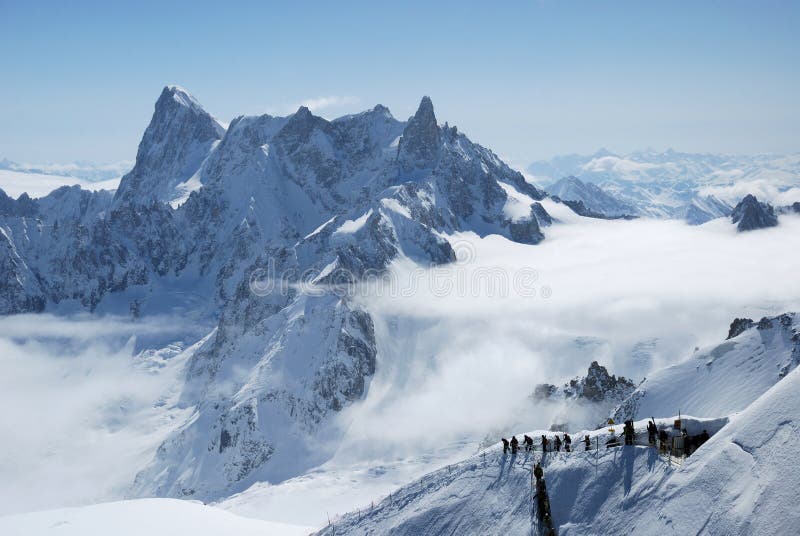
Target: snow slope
[742, 481]
[721, 379]
[155, 517]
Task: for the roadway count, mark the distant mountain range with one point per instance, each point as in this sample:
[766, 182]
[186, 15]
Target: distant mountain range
[669, 184]
[89, 171]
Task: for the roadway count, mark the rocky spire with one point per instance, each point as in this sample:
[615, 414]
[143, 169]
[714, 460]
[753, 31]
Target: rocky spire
[420, 145]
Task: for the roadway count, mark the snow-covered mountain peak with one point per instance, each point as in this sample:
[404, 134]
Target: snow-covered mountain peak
[178, 139]
[181, 96]
[303, 114]
[383, 110]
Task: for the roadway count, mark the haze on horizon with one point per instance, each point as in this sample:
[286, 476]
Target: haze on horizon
[530, 80]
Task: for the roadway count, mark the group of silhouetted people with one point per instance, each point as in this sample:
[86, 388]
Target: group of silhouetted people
[655, 436]
[558, 443]
[527, 443]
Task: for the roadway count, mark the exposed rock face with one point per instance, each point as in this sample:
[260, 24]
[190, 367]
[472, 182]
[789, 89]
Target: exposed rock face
[313, 359]
[18, 291]
[23, 206]
[794, 208]
[420, 144]
[738, 326]
[597, 386]
[749, 214]
[594, 395]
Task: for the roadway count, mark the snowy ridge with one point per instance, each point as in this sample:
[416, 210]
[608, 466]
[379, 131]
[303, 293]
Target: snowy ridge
[739, 482]
[723, 379]
[592, 196]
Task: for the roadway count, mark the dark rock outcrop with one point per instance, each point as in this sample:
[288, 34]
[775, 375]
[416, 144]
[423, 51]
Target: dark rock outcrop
[738, 326]
[597, 386]
[750, 214]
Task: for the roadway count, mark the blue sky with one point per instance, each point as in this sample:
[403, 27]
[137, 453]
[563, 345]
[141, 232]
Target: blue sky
[528, 79]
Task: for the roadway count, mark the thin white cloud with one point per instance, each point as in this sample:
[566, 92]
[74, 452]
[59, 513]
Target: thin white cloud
[316, 105]
[323, 103]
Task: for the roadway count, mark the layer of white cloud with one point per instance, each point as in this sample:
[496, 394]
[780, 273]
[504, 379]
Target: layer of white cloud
[634, 295]
[82, 412]
[15, 183]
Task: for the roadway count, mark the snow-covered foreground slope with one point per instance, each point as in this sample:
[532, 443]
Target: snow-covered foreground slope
[742, 481]
[339, 486]
[154, 517]
[15, 183]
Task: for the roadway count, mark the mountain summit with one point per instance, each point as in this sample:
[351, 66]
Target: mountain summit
[176, 142]
[419, 145]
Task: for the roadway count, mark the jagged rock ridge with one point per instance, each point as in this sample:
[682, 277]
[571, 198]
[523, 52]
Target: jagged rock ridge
[597, 386]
